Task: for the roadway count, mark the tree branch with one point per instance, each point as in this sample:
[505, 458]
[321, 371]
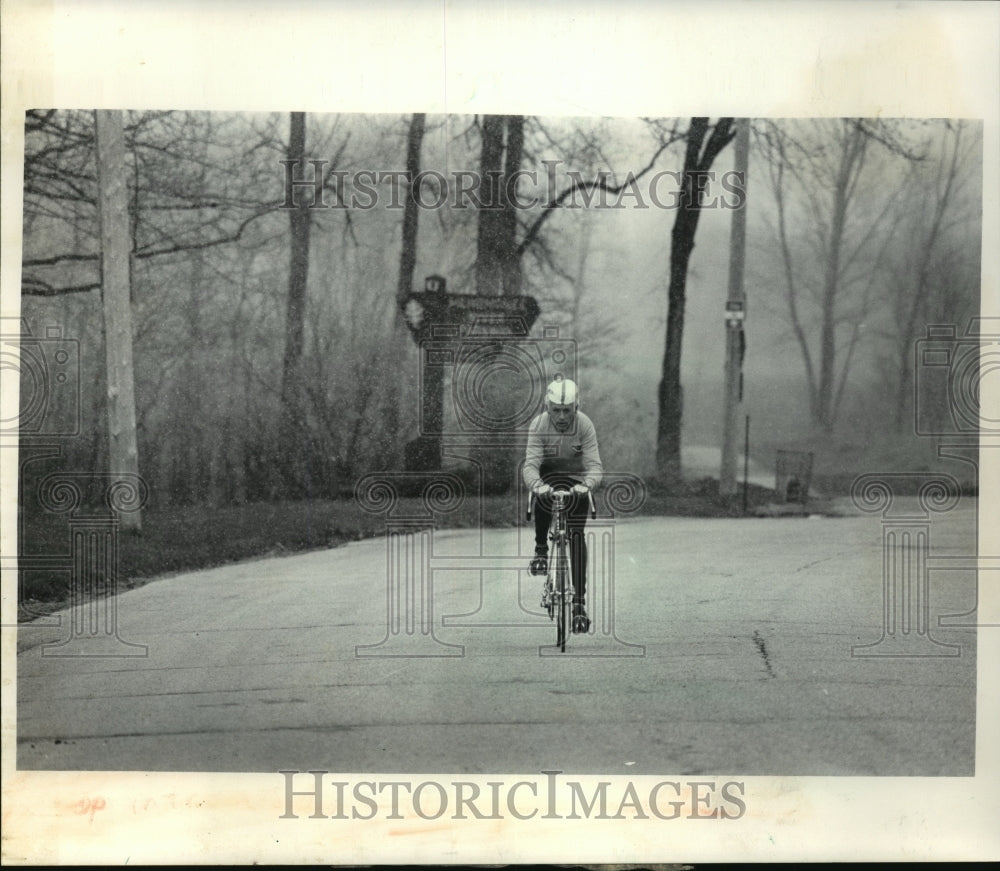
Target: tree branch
[37, 287]
[597, 184]
[61, 258]
[211, 243]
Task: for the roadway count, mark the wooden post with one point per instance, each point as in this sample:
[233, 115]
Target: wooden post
[115, 292]
[746, 463]
[734, 324]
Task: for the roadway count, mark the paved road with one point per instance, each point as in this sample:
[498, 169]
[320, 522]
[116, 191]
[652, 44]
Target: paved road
[724, 646]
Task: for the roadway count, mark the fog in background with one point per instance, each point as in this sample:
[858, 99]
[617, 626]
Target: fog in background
[209, 319]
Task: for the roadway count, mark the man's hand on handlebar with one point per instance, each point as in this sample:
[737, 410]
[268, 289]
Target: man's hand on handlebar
[540, 490]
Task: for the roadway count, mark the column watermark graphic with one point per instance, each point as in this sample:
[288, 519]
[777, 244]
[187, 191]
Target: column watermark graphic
[906, 547]
[409, 578]
[413, 504]
[950, 366]
[982, 565]
[69, 521]
[90, 558]
[509, 598]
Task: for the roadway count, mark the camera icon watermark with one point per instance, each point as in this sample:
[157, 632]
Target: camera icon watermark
[48, 366]
[497, 378]
[949, 373]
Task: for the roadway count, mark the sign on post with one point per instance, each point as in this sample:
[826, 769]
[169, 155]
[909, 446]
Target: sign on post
[456, 331]
[735, 312]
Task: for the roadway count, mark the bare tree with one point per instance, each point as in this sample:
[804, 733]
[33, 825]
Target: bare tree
[60, 198]
[704, 143]
[115, 285]
[498, 259]
[195, 231]
[832, 232]
[394, 369]
[227, 304]
[591, 179]
[926, 282]
[293, 429]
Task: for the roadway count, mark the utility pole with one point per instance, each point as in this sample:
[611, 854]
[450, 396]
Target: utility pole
[735, 313]
[115, 292]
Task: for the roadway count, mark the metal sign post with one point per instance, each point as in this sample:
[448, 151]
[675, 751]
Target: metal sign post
[735, 314]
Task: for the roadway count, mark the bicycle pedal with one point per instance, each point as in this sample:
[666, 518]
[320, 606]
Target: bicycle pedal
[581, 624]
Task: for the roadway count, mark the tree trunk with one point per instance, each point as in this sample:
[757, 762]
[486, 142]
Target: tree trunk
[116, 283]
[671, 393]
[670, 398]
[396, 368]
[489, 228]
[928, 248]
[846, 178]
[411, 214]
[294, 433]
[498, 273]
[509, 254]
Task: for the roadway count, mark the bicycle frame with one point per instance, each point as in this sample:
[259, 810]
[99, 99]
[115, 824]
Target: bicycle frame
[557, 595]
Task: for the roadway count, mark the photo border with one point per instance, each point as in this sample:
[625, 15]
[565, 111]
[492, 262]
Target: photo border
[755, 59]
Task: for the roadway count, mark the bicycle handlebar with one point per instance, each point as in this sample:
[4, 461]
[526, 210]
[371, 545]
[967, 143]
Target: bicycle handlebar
[590, 498]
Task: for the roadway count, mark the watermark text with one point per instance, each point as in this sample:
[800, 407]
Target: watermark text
[314, 184]
[320, 795]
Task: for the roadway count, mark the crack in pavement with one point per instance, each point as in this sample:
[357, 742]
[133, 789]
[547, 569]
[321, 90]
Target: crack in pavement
[762, 649]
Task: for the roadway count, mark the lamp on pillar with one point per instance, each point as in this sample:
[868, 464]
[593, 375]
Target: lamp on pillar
[422, 312]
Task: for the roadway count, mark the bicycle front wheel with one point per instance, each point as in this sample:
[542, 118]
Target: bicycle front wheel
[564, 597]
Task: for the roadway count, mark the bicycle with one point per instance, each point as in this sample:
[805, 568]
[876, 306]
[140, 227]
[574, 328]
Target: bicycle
[557, 594]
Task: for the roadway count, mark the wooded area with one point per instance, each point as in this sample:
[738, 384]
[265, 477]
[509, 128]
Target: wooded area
[271, 356]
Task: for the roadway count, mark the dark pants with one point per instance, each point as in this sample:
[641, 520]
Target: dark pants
[576, 521]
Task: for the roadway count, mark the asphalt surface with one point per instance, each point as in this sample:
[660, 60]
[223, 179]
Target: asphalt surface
[718, 647]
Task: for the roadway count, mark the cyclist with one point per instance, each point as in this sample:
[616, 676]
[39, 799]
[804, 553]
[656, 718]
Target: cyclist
[562, 452]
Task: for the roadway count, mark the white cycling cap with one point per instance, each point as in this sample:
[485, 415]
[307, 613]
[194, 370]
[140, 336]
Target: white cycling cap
[562, 391]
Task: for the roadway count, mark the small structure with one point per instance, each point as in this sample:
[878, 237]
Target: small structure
[793, 475]
[469, 338]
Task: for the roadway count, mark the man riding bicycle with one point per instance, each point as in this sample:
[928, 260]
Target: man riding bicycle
[562, 452]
